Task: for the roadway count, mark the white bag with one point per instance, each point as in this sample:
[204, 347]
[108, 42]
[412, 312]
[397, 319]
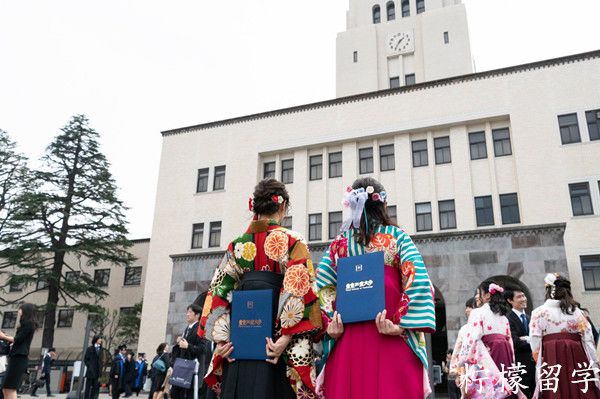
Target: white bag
[2, 364]
[147, 385]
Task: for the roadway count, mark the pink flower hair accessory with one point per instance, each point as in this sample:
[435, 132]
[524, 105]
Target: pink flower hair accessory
[495, 287]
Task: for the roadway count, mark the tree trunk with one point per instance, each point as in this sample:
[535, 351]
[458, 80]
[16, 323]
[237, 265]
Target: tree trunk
[50, 319]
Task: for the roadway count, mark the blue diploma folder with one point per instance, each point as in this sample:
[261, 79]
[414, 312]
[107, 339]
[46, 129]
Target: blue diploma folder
[251, 323]
[360, 292]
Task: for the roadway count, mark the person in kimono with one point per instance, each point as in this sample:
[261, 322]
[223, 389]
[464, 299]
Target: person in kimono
[456, 372]
[387, 357]
[487, 350]
[563, 345]
[265, 256]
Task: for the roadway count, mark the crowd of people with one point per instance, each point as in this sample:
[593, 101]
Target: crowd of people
[500, 352]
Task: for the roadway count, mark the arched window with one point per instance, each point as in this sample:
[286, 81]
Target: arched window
[376, 14]
[420, 6]
[391, 11]
[405, 8]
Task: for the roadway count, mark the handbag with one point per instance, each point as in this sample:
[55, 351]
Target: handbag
[4, 347]
[159, 365]
[183, 373]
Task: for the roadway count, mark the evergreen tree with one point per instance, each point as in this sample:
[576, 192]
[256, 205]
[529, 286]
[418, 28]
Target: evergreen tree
[13, 176]
[69, 208]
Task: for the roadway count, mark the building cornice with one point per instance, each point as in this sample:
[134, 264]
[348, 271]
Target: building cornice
[391, 92]
[515, 231]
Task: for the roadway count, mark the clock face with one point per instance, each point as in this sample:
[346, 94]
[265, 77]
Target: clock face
[401, 42]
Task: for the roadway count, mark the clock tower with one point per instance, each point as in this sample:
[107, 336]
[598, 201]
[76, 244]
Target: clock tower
[401, 42]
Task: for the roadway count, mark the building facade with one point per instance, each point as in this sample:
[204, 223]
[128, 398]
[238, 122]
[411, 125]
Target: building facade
[493, 174]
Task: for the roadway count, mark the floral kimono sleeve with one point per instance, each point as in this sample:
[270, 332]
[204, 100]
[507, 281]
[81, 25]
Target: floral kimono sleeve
[454, 368]
[474, 332]
[215, 320]
[537, 325]
[585, 329]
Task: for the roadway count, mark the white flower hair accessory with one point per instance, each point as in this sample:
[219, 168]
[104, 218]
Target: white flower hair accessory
[550, 281]
[495, 287]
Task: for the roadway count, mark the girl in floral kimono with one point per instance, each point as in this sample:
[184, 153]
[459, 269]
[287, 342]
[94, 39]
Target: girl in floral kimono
[266, 256]
[487, 349]
[385, 358]
[563, 345]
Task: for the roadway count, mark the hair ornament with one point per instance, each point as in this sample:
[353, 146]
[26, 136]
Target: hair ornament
[370, 190]
[250, 203]
[495, 287]
[277, 198]
[550, 281]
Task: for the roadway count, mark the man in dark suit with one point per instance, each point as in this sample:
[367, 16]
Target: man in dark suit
[519, 328]
[93, 363]
[190, 346]
[46, 365]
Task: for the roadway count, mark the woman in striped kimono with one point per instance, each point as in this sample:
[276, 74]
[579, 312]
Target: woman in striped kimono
[385, 358]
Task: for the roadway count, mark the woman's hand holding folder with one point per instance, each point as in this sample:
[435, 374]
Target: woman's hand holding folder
[224, 349]
[386, 327]
[335, 329]
[275, 349]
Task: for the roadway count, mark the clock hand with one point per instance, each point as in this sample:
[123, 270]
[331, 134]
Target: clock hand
[397, 44]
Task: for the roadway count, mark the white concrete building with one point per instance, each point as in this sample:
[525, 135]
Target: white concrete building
[493, 174]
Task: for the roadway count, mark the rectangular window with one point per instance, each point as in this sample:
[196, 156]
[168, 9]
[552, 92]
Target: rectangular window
[40, 316]
[420, 6]
[501, 142]
[569, 128]
[405, 8]
[355, 56]
[41, 285]
[314, 227]
[386, 157]
[442, 150]
[65, 318]
[477, 145]
[394, 82]
[581, 200]
[446, 38]
[219, 182]
[590, 267]
[365, 156]
[423, 212]
[484, 211]
[72, 276]
[214, 238]
[335, 164]
[410, 79]
[202, 185]
[335, 223]
[447, 215]
[101, 277]
[9, 319]
[316, 167]
[419, 151]
[287, 222]
[287, 171]
[197, 235]
[593, 122]
[16, 286]
[391, 210]
[133, 275]
[269, 170]
[509, 207]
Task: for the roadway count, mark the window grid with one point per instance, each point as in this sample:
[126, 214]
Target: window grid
[394, 82]
[376, 15]
[9, 319]
[442, 150]
[391, 11]
[41, 285]
[423, 213]
[287, 171]
[133, 275]
[409, 79]
[420, 6]
[447, 214]
[269, 170]
[202, 184]
[214, 238]
[365, 156]
[581, 199]
[509, 208]
[477, 145]
[590, 267]
[102, 277]
[197, 235]
[335, 164]
[314, 226]
[219, 181]
[419, 150]
[386, 157]
[484, 211]
[16, 286]
[65, 318]
[392, 213]
[335, 223]
[405, 8]
[593, 121]
[72, 276]
[316, 167]
[569, 129]
[501, 139]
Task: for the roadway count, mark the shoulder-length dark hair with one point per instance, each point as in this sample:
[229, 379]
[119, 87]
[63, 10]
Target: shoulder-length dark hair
[562, 292]
[28, 314]
[497, 303]
[161, 348]
[376, 211]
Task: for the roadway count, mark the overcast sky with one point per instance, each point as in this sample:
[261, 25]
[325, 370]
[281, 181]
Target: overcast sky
[136, 68]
